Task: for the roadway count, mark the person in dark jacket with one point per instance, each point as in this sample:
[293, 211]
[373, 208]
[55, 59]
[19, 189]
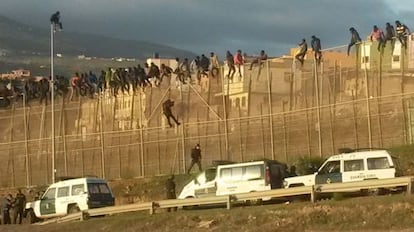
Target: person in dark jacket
[170, 188]
[19, 205]
[55, 19]
[5, 209]
[317, 48]
[166, 106]
[355, 39]
[195, 158]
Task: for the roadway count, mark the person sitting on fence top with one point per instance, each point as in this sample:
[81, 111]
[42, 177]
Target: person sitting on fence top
[402, 32]
[259, 60]
[389, 35]
[214, 64]
[355, 39]
[303, 48]
[55, 20]
[377, 35]
[316, 47]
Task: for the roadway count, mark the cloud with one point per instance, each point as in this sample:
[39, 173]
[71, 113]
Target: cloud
[217, 25]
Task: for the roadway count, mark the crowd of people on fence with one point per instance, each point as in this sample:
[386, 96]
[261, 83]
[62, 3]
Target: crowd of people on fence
[117, 80]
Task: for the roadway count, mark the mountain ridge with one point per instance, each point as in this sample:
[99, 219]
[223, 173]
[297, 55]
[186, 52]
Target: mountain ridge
[17, 38]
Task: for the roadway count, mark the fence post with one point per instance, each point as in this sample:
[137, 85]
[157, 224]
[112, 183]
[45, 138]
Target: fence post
[313, 194]
[269, 94]
[229, 197]
[101, 118]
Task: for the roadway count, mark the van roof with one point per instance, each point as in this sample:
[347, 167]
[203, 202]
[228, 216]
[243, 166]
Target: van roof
[262, 161]
[360, 154]
[79, 180]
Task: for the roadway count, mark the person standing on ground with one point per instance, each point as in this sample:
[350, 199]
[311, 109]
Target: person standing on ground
[5, 209]
[166, 106]
[195, 158]
[20, 203]
[170, 188]
[355, 39]
[303, 48]
[317, 49]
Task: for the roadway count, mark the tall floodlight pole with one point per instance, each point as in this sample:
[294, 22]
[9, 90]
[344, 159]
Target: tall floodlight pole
[52, 102]
[54, 22]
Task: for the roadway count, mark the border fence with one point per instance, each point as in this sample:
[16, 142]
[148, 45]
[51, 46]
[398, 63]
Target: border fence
[276, 111]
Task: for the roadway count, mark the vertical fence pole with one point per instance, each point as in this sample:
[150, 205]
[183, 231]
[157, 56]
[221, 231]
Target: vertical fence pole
[262, 129]
[141, 147]
[101, 129]
[269, 94]
[65, 152]
[368, 104]
[240, 136]
[285, 137]
[183, 124]
[318, 109]
[26, 142]
[11, 148]
[225, 92]
[402, 65]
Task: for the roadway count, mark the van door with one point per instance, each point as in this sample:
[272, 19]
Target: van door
[354, 170]
[99, 195]
[205, 184]
[276, 175]
[62, 200]
[329, 173]
[47, 203]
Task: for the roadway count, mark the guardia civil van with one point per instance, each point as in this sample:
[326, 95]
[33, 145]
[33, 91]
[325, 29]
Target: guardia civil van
[227, 179]
[350, 166]
[70, 196]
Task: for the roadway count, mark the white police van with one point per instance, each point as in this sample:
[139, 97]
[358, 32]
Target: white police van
[70, 196]
[349, 167]
[236, 178]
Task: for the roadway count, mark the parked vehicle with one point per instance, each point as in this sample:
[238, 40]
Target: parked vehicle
[236, 178]
[349, 167]
[70, 196]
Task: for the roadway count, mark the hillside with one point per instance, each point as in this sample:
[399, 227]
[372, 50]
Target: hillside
[20, 39]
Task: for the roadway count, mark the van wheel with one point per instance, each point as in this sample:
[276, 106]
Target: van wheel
[31, 217]
[73, 209]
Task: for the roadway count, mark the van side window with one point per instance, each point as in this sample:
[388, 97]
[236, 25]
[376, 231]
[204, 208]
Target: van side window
[378, 163]
[77, 189]
[253, 172]
[63, 192]
[232, 174]
[98, 188]
[50, 194]
[353, 165]
[331, 167]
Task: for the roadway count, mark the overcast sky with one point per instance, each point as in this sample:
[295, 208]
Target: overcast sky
[202, 26]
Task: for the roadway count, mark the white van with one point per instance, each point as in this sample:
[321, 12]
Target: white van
[70, 196]
[349, 167]
[236, 178]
